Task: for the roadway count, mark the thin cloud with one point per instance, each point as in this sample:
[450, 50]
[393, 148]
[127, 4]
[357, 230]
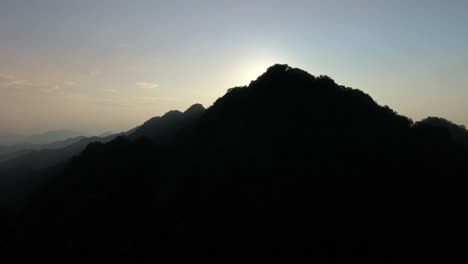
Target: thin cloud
[96, 72]
[110, 90]
[6, 77]
[147, 85]
[51, 89]
[70, 83]
[13, 82]
[10, 81]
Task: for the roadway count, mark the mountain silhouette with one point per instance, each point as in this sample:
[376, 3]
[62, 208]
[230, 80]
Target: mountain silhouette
[9, 139]
[457, 132]
[14, 151]
[9, 152]
[22, 170]
[166, 128]
[291, 168]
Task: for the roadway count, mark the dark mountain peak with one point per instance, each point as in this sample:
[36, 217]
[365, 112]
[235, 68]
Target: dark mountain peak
[195, 109]
[165, 128]
[295, 89]
[286, 83]
[441, 122]
[172, 114]
[278, 68]
[459, 133]
[285, 100]
[280, 74]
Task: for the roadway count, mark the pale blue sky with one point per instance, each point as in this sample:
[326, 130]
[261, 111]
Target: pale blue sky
[111, 64]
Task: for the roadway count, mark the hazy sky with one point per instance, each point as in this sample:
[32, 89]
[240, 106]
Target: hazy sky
[96, 65]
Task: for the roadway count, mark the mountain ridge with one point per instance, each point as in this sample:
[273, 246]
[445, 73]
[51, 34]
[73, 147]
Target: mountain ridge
[292, 164]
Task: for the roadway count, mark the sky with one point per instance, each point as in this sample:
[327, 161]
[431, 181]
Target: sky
[100, 65]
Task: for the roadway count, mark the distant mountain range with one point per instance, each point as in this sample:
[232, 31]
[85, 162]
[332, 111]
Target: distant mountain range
[8, 139]
[291, 168]
[12, 151]
[21, 166]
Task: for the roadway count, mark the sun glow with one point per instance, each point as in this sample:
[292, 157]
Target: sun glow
[252, 70]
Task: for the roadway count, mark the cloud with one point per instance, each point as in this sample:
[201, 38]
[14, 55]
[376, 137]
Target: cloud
[110, 90]
[51, 89]
[96, 72]
[147, 85]
[10, 81]
[6, 77]
[13, 82]
[70, 83]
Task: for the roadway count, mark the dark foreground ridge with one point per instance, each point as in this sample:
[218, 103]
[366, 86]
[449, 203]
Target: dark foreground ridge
[290, 169]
